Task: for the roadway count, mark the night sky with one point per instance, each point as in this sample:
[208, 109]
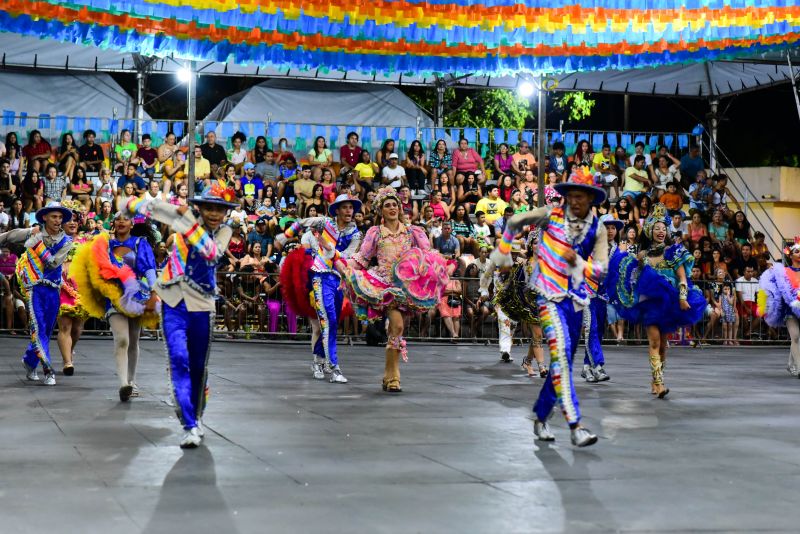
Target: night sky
[760, 128]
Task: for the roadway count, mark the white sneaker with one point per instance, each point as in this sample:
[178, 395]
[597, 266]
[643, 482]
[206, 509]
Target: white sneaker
[587, 374]
[134, 391]
[319, 373]
[791, 368]
[191, 439]
[328, 368]
[200, 430]
[600, 374]
[581, 437]
[542, 431]
[30, 373]
[337, 377]
[50, 379]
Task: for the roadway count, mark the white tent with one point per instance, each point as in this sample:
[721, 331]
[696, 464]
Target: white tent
[321, 103]
[62, 94]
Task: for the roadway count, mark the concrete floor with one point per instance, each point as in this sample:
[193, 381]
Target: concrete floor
[454, 453]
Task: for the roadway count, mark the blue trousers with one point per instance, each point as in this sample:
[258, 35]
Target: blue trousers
[594, 322]
[43, 304]
[327, 300]
[188, 359]
[561, 325]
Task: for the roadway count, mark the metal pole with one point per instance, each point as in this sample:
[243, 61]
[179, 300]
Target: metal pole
[541, 141]
[139, 111]
[192, 109]
[794, 84]
[626, 113]
[712, 149]
[440, 87]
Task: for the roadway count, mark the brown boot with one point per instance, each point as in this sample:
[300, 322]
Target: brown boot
[392, 371]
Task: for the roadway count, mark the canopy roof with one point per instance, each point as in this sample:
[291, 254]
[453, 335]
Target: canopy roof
[311, 102]
[703, 80]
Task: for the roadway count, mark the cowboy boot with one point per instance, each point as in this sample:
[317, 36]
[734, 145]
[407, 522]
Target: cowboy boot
[656, 369]
[393, 361]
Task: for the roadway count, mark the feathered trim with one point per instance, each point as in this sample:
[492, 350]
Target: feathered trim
[294, 282]
[99, 281]
[761, 303]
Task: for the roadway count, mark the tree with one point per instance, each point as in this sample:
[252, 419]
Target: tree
[577, 105]
[493, 108]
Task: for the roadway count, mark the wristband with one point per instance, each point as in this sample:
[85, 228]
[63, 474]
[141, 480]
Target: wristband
[683, 292]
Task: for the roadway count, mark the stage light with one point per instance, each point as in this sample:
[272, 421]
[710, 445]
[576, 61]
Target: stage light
[184, 75]
[525, 89]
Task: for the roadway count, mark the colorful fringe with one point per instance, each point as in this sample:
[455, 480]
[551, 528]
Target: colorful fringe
[99, 280]
[480, 37]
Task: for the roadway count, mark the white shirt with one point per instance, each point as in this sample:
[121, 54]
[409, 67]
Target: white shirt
[748, 288]
[3, 219]
[647, 159]
[394, 176]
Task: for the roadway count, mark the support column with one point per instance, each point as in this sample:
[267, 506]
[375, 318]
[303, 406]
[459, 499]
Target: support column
[191, 88]
[626, 114]
[138, 110]
[712, 149]
[541, 139]
[794, 82]
[440, 88]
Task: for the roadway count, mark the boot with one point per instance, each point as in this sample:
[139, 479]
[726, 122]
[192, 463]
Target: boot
[656, 368]
[391, 374]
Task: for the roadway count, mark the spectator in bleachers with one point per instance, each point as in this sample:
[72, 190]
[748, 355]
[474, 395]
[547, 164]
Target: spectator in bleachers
[229, 177]
[529, 186]
[106, 189]
[166, 152]
[643, 208]
[720, 195]
[11, 142]
[416, 165]
[146, 157]
[214, 153]
[746, 290]
[636, 180]
[740, 229]
[55, 186]
[237, 155]
[320, 155]
[743, 261]
[261, 235]
[558, 162]
[666, 171]
[584, 154]
[130, 177]
[604, 168]
[624, 210]
[154, 192]
[441, 210]
[672, 199]
[506, 187]
[638, 150]
[621, 158]
[258, 155]
[407, 204]
[503, 162]
[304, 187]
[392, 173]
[701, 192]
[677, 229]
[449, 192]
[491, 205]
[125, 152]
[441, 161]
[691, 164]
[32, 191]
[288, 174]
[202, 168]
[383, 154]
[15, 164]
[718, 228]
[268, 169]
[500, 224]
[426, 215]
[90, 154]
[329, 188]
[17, 217]
[761, 252]
[68, 155]
[630, 238]
[349, 154]
[523, 161]
[4, 218]
[518, 203]
[283, 152]
[81, 189]
[181, 196]
[696, 229]
[105, 217]
[470, 192]
[463, 230]
[7, 186]
[251, 186]
[125, 193]
[717, 262]
[366, 170]
[174, 171]
[37, 152]
[447, 244]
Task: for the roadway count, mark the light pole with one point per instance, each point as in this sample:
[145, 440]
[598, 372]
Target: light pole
[188, 75]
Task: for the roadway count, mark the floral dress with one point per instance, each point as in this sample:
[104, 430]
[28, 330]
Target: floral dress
[69, 298]
[409, 275]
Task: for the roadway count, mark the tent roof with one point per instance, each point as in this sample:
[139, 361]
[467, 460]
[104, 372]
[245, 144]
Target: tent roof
[65, 94]
[696, 80]
[321, 103]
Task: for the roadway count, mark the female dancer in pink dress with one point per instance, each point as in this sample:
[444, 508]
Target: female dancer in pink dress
[410, 277]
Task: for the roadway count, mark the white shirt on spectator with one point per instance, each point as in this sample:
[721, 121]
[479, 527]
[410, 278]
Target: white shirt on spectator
[647, 160]
[395, 176]
[748, 288]
[3, 219]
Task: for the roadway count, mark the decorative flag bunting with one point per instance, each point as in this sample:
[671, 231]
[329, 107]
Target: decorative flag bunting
[477, 37]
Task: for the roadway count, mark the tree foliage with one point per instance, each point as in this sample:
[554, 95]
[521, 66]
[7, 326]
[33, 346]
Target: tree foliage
[577, 105]
[493, 108]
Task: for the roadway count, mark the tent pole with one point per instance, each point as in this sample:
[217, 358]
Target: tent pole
[794, 83]
[712, 155]
[191, 87]
[541, 140]
[139, 111]
[440, 87]
[626, 113]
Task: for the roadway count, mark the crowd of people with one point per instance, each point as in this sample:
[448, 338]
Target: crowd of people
[460, 200]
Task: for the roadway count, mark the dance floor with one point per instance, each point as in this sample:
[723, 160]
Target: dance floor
[454, 453]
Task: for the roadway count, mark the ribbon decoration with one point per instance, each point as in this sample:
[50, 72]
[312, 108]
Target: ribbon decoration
[476, 37]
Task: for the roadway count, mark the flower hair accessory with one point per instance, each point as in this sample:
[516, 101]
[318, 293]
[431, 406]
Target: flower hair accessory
[581, 175]
[224, 193]
[384, 194]
[659, 215]
[792, 246]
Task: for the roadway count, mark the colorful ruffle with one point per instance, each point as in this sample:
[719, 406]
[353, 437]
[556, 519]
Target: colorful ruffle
[70, 301]
[777, 298]
[516, 298]
[486, 37]
[419, 281]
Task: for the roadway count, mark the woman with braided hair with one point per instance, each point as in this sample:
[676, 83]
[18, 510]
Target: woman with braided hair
[653, 289]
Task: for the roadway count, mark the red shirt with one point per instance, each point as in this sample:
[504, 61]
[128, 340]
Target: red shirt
[466, 163]
[30, 151]
[7, 264]
[351, 156]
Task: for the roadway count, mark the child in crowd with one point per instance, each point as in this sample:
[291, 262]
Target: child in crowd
[672, 200]
[728, 315]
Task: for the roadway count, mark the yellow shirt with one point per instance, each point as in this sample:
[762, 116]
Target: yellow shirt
[492, 208]
[631, 184]
[601, 163]
[366, 170]
[201, 167]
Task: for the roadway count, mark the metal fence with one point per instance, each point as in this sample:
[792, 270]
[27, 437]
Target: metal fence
[268, 318]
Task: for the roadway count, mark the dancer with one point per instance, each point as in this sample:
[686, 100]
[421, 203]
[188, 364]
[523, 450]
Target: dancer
[515, 302]
[779, 301]
[115, 275]
[595, 315]
[334, 241]
[187, 288]
[39, 275]
[409, 277]
[71, 314]
[570, 235]
[654, 290]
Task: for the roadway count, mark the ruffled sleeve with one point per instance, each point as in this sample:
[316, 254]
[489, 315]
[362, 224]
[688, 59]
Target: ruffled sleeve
[419, 238]
[369, 247]
[678, 255]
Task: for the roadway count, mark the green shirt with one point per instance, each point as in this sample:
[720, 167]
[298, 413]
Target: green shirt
[125, 151]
